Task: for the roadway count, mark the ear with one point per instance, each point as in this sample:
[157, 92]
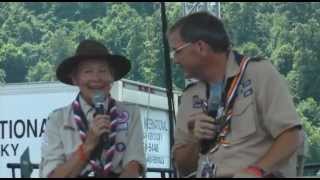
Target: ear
[203, 47]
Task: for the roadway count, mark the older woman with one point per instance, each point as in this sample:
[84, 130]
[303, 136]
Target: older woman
[73, 145]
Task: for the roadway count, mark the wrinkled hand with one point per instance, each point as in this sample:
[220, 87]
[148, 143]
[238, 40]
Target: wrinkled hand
[202, 126]
[100, 124]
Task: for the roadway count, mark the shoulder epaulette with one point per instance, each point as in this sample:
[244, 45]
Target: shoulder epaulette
[239, 56]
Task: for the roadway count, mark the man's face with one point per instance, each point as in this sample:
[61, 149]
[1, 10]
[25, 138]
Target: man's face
[92, 75]
[185, 54]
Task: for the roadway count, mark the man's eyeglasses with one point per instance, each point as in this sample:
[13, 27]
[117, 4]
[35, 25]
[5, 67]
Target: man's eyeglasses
[178, 49]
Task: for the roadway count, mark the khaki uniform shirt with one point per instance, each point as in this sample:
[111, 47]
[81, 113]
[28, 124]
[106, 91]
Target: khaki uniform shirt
[62, 138]
[263, 110]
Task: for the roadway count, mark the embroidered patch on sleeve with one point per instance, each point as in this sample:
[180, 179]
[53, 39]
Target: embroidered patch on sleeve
[123, 117]
[246, 88]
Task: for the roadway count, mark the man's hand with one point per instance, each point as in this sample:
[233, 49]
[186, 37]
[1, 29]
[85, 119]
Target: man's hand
[101, 124]
[202, 126]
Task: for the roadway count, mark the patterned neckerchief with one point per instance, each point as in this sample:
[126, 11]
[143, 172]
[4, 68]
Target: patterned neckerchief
[102, 165]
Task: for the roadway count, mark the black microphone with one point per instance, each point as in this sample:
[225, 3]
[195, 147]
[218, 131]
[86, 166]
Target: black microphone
[215, 96]
[99, 99]
[100, 103]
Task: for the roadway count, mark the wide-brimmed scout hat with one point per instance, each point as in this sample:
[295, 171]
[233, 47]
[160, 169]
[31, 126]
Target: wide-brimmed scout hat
[90, 50]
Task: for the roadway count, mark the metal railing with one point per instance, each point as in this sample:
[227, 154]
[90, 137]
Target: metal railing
[310, 169]
[14, 166]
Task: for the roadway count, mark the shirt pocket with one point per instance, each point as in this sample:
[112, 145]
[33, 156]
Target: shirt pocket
[243, 123]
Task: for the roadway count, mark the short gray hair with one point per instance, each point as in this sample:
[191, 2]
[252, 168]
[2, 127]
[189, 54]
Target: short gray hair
[203, 26]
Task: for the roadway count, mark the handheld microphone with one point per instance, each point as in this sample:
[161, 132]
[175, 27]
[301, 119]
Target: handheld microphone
[98, 100]
[214, 100]
[100, 103]
[215, 96]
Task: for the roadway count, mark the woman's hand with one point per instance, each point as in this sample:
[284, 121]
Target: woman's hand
[101, 124]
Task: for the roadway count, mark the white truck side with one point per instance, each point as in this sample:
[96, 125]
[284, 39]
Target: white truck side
[25, 107]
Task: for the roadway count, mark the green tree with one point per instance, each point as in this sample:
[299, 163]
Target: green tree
[306, 61]
[313, 137]
[250, 49]
[283, 58]
[59, 46]
[43, 71]
[240, 20]
[174, 11]
[2, 76]
[122, 32]
[13, 63]
[310, 109]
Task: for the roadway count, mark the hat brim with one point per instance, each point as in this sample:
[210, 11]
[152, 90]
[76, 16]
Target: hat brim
[120, 65]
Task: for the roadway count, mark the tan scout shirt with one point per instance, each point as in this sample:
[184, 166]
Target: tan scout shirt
[62, 138]
[262, 111]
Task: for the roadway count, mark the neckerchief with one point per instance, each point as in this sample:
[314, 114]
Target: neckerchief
[100, 164]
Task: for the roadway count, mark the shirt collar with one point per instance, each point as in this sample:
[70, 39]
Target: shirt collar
[86, 108]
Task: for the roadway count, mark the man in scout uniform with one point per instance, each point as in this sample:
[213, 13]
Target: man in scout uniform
[249, 126]
[79, 142]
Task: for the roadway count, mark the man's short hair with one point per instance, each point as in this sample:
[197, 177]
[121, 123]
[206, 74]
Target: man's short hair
[203, 26]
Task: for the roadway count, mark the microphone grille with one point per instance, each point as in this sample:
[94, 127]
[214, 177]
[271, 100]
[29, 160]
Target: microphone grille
[98, 97]
[215, 97]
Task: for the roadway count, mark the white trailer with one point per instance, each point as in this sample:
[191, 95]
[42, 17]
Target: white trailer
[24, 109]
